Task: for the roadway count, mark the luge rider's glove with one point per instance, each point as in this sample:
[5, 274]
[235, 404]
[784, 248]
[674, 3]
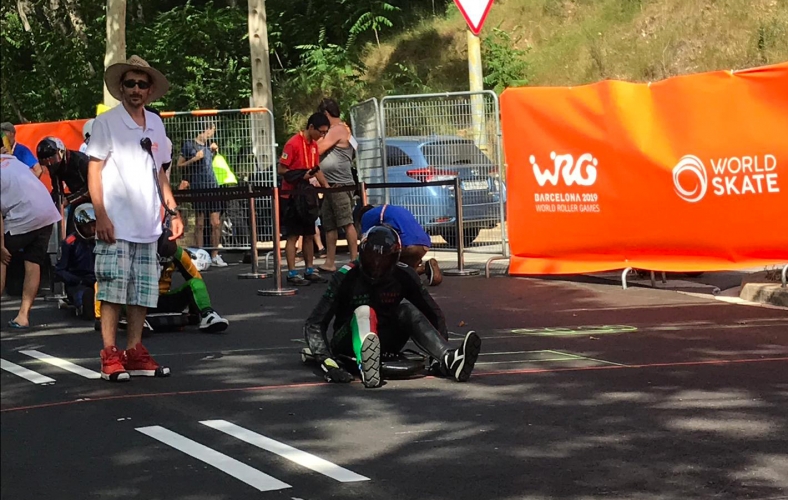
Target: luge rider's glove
[332, 372]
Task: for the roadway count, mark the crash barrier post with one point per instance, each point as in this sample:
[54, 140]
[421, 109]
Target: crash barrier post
[253, 226]
[277, 254]
[458, 219]
[460, 271]
[247, 145]
[456, 134]
[784, 276]
[247, 192]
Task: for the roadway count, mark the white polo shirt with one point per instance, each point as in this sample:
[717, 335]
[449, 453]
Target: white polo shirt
[24, 200]
[130, 195]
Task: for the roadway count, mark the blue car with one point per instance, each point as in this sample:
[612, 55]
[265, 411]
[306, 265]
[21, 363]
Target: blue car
[419, 159]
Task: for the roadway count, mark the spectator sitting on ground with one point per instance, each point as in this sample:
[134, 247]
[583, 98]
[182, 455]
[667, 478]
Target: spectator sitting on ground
[76, 265]
[27, 218]
[20, 151]
[197, 159]
[415, 240]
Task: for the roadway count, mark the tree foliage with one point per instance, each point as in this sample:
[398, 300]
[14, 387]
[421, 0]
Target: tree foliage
[53, 51]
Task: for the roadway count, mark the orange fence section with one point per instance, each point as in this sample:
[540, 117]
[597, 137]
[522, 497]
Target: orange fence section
[686, 174]
[70, 132]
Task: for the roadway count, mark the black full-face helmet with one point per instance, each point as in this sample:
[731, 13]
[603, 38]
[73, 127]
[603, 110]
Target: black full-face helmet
[379, 252]
[85, 221]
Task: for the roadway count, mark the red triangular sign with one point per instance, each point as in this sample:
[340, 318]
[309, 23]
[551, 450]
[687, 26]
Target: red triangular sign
[474, 12]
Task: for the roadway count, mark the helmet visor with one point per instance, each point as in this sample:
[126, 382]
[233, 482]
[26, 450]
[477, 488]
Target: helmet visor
[376, 265]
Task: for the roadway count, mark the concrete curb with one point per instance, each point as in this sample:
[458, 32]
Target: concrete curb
[756, 288]
[765, 293]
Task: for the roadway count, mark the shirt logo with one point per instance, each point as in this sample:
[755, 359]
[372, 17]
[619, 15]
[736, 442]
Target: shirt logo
[284, 156]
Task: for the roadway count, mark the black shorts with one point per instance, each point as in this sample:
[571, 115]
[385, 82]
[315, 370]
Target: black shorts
[292, 224]
[208, 207]
[32, 245]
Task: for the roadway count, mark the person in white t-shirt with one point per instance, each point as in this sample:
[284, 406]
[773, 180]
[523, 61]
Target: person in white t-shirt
[26, 227]
[126, 144]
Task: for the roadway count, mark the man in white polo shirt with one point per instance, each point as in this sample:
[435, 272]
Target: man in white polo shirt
[25, 229]
[127, 201]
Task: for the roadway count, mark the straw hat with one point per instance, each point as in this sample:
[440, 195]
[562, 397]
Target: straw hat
[135, 63]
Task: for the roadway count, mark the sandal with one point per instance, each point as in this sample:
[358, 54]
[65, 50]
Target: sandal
[16, 326]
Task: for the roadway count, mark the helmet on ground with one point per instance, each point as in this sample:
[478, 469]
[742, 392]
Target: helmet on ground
[379, 252]
[201, 258]
[87, 128]
[48, 147]
[85, 221]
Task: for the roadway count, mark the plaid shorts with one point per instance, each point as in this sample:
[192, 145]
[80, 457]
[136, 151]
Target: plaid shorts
[127, 273]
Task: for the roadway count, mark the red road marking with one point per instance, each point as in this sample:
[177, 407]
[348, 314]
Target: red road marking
[318, 384]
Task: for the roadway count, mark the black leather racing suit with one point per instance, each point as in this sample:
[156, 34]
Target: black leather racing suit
[421, 319]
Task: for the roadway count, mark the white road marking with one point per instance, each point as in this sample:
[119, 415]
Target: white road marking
[302, 458]
[62, 363]
[21, 371]
[228, 465]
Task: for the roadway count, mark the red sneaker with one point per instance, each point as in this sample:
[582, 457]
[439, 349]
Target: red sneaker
[139, 363]
[112, 365]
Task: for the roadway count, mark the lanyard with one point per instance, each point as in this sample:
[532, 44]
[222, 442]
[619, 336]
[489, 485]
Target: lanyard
[303, 144]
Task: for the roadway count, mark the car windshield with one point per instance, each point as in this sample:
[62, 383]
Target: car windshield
[454, 153]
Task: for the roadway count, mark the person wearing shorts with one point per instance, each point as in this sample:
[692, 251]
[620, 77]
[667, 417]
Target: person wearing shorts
[25, 230]
[336, 163]
[299, 157]
[197, 159]
[127, 186]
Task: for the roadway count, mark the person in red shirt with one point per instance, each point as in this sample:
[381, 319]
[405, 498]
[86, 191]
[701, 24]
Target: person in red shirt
[299, 205]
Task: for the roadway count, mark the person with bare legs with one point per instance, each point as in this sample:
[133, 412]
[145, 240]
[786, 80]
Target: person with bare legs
[197, 158]
[336, 162]
[299, 202]
[25, 230]
[127, 186]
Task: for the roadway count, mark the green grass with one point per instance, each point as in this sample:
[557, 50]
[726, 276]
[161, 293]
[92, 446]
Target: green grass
[581, 41]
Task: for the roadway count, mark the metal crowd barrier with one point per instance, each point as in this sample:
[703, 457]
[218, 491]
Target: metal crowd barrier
[251, 193]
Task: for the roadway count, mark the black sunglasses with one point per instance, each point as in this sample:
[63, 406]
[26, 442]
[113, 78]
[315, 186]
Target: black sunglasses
[142, 84]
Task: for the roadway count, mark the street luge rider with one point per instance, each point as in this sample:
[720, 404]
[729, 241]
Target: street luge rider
[365, 300]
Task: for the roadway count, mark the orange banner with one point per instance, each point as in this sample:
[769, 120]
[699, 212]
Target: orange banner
[70, 132]
[686, 174]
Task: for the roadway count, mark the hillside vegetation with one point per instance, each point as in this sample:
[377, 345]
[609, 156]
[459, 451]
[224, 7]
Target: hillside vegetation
[571, 42]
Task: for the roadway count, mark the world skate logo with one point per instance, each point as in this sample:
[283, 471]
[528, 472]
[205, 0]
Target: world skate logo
[581, 172]
[692, 167]
[728, 176]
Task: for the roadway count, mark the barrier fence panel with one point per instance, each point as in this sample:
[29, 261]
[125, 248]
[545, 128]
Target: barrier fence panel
[365, 124]
[245, 140]
[431, 137]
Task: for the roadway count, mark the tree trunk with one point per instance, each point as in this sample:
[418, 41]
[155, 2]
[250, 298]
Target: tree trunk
[258, 48]
[79, 29]
[116, 41]
[23, 7]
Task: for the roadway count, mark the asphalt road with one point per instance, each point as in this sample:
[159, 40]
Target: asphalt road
[584, 391]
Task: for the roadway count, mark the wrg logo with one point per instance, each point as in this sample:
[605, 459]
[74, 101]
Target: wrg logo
[581, 172]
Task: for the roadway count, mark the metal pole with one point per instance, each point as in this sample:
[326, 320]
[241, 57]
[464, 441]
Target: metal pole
[476, 84]
[460, 271]
[253, 221]
[278, 291]
[58, 289]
